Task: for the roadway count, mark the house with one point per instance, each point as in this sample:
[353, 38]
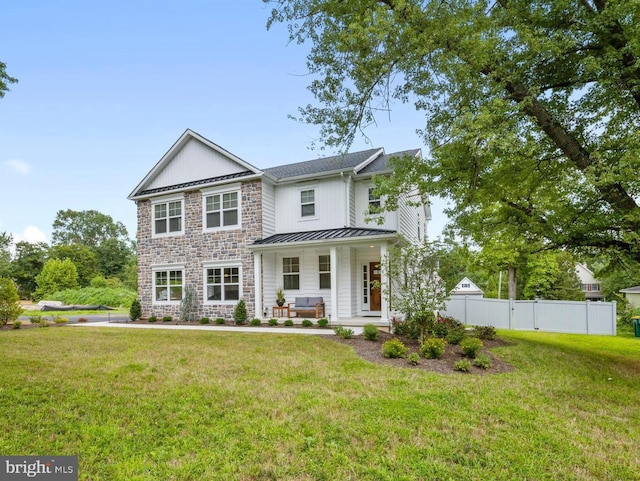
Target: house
[589, 284]
[632, 294]
[213, 223]
[467, 288]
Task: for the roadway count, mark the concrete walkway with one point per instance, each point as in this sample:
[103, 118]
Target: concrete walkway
[260, 330]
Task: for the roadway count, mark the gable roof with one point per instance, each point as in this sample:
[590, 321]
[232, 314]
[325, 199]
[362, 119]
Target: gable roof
[631, 290]
[470, 288]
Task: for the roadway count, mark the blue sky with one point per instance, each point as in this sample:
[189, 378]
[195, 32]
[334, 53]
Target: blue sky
[105, 88]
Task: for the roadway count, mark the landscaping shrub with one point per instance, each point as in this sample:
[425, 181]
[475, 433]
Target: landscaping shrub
[463, 365]
[273, 322]
[406, 329]
[152, 318]
[83, 319]
[204, 320]
[483, 361]
[370, 332]
[219, 320]
[17, 324]
[106, 296]
[167, 318]
[413, 359]
[288, 322]
[323, 322]
[343, 332]
[456, 335]
[433, 348]
[470, 347]
[255, 322]
[485, 332]
[240, 312]
[60, 320]
[306, 323]
[394, 349]
[135, 311]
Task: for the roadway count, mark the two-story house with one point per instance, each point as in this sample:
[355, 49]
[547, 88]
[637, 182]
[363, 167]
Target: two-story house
[214, 223]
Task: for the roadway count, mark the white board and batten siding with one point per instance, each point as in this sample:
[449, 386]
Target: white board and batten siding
[361, 206]
[576, 317]
[268, 209]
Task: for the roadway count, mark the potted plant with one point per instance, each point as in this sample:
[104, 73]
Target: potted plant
[280, 300]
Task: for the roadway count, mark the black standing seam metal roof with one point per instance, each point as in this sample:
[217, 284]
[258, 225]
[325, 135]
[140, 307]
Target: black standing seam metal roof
[318, 235]
[221, 178]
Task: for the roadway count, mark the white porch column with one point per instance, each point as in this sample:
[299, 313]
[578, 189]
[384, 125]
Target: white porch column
[384, 288]
[257, 283]
[333, 254]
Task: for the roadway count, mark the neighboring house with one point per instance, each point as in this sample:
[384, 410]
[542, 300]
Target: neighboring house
[467, 288]
[212, 222]
[589, 284]
[632, 294]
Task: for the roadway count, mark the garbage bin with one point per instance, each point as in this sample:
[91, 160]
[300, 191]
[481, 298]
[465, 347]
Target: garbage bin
[636, 326]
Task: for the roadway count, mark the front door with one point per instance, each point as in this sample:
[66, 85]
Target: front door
[374, 291]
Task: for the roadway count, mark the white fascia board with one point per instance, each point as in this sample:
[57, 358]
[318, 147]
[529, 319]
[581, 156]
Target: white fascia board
[366, 162]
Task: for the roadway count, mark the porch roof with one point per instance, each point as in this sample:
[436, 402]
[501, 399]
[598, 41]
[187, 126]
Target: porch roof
[343, 234]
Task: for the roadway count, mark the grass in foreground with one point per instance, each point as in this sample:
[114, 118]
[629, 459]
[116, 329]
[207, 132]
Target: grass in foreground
[186, 405]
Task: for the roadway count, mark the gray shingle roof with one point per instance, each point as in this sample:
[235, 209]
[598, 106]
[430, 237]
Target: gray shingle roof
[318, 235]
[381, 163]
[317, 166]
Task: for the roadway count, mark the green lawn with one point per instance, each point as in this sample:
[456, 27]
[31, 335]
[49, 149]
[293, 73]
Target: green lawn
[194, 405]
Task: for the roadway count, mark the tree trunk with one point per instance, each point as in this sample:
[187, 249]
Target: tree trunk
[512, 282]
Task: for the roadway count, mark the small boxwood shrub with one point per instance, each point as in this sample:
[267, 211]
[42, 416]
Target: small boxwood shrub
[240, 312]
[483, 361]
[255, 322]
[307, 323]
[343, 332]
[204, 320]
[219, 320]
[455, 335]
[433, 348]
[152, 318]
[61, 320]
[485, 332]
[273, 322]
[413, 359]
[463, 365]
[470, 346]
[394, 348]
[323, 322]
[370, 332]
[17, 324]
[288, 322]
[167, 318]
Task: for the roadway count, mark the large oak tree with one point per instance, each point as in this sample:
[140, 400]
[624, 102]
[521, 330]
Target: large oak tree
[532, 108]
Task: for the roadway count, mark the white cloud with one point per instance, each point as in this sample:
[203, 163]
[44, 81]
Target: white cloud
[31, 234]
[19, 166]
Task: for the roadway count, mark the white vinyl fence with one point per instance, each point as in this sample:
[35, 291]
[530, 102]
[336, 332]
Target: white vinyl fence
[578, 317]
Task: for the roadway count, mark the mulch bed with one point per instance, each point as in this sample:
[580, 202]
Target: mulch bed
[372, 352]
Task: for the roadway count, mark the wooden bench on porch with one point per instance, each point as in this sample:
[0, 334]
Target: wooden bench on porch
[311, 305]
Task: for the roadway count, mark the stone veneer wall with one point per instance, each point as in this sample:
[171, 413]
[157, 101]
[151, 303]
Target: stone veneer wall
[195, 247]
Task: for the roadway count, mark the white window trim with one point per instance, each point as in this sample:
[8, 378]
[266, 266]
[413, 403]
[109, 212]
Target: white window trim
[220, 190]
[324, 272]
[165, 268]
[166, 200]
[221, 264]
[299, 273]
[306, 218]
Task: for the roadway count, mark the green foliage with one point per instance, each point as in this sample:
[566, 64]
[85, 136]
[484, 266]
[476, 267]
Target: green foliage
[92, 296]
[17, 324]
[240, 312]
[288, 322]
[56, 275]
[455, 336]
[99, 282]
[394, 348]
[152, 318]
[10, 308]
[433, 348]
[413, 359]
[255, 322]
[220, 320]
[370, 332]
[167, 318]
[135, 311]
[60, 320]
[463, 365]
[323, 322]
[485, 332]
[27, 263]
[188, 305]
[552, 275]
[470, 346]
[343, 332]
[483, 361]
[273, 322]
[307, 323]
[204, 320]
[5, 80]
[82, 257]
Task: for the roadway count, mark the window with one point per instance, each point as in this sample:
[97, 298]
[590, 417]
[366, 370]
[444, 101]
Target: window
[591, 287]
[223, 284]
[167, 217]
[291, 272]
[324, 269]
[465, 285]
[167, 286]
[374, 202]
[221, 210]
[308, 203]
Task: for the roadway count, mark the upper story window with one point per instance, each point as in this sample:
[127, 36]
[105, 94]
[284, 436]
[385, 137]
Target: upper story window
[167, 286]
[374, 201]
[221, 208]
[465, 285]
[308, 203]
[324, 271]
[591, 287]
[167, 217]
[291, 272]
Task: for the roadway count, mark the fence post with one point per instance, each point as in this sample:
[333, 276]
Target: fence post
[587, 303]
[466, 319]
[535, 315]
[512, 315]
[613, 318]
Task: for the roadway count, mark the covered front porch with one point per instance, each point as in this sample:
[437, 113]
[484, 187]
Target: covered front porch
[343, 266]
